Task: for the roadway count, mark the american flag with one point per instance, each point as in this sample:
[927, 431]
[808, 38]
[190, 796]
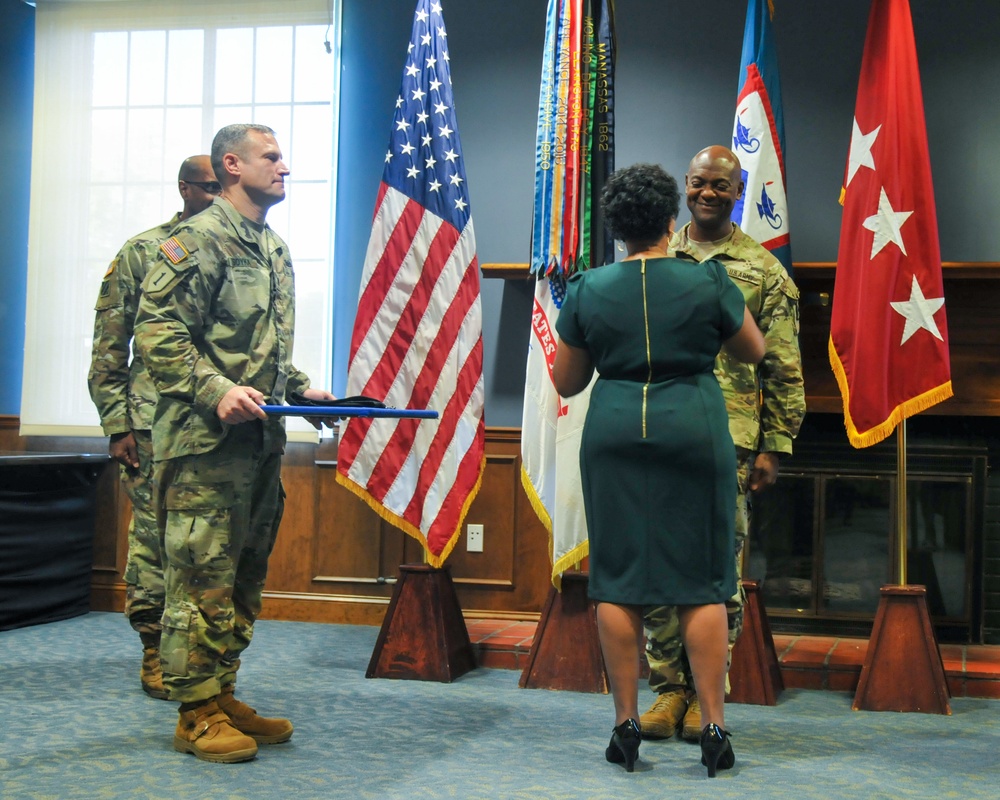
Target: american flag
[417, 340]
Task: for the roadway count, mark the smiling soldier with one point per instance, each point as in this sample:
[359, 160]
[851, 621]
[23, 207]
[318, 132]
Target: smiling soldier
[765, 403]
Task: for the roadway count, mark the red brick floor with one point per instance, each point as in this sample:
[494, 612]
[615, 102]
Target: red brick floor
[807, 662]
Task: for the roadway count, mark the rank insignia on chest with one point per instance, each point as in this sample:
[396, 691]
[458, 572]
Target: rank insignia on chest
[174, 250]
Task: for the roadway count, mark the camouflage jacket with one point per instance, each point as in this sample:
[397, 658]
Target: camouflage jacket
[121, 389]
[766, 402]
[217, 311]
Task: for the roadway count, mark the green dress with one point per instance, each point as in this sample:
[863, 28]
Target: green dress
[657, 461]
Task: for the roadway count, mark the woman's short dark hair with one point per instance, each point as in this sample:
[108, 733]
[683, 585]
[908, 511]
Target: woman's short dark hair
[639, 202]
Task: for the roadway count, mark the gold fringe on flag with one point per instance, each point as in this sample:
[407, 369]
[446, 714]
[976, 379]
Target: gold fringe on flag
[903, 411]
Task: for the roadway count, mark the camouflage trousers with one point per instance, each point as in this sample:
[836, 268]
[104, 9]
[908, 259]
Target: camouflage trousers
[219, 513]
[668, 663]
[144, 566]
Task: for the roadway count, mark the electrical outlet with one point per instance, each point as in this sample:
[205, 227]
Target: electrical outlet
[474, 538]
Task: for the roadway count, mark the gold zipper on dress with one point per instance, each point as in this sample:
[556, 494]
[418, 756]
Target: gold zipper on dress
[649, 358]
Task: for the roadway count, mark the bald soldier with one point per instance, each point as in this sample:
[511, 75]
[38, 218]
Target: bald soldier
[765, 402]
[123, 393]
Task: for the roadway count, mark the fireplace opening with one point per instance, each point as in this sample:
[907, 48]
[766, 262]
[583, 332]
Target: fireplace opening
[823, 540]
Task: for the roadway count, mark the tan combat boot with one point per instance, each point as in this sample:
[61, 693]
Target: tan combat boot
[151, 674]
[208, 733]
[264, 730]
[661, 721]
[691, 731]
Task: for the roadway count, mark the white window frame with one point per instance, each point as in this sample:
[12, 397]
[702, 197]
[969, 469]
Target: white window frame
[66, 259]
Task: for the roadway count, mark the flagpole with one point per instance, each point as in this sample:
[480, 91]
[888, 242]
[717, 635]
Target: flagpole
[567, 234]
[903, 670]
[901, 532]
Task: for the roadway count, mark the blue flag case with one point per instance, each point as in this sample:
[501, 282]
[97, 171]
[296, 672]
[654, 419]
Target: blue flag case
[349, 411]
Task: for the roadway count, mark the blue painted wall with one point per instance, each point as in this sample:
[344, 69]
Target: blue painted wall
[677, 81]
[677, 77]
[372, 52]
[17, 44]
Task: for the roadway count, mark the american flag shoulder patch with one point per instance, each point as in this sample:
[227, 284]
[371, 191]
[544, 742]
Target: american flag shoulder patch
[174, 250]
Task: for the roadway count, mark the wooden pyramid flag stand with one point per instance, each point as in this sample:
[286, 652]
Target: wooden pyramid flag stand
[566, 651]
[903, 670]
[423, 635]
[754, 674]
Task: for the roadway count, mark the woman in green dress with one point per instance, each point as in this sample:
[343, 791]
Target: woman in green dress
[657, 461]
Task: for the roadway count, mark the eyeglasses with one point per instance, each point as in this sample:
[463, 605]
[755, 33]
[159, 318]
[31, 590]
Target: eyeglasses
[212, 187]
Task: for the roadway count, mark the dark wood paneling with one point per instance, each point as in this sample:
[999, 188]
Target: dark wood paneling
[350, 539]
[335, 559]
[355, 554]
[493, 508]
[290, 563]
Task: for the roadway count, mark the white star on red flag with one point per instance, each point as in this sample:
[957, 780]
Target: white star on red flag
[886, 223]
[919, 312]
[861, 150]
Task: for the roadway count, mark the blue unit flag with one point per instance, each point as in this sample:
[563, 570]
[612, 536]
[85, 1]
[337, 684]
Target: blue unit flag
[759, 137]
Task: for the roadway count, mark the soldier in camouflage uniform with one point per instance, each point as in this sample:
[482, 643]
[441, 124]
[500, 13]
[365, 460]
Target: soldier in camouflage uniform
[125, 399]
[215, 327]
[766, 404]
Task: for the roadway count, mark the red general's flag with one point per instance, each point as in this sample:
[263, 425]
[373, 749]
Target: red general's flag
[888, 331]
[417, 340]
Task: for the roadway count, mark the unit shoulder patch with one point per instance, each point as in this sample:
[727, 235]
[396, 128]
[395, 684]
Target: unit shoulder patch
[165, 275]
[110, 294]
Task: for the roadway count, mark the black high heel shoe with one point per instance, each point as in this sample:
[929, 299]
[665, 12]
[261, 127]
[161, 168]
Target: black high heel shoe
[624, 745]
[716, 751]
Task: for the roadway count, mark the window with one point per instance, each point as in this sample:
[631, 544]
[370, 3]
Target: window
[109, 138]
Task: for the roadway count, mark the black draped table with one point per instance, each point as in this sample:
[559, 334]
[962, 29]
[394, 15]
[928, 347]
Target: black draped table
[47, 503]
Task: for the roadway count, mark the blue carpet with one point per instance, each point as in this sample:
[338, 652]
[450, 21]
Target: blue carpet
[75, 724]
